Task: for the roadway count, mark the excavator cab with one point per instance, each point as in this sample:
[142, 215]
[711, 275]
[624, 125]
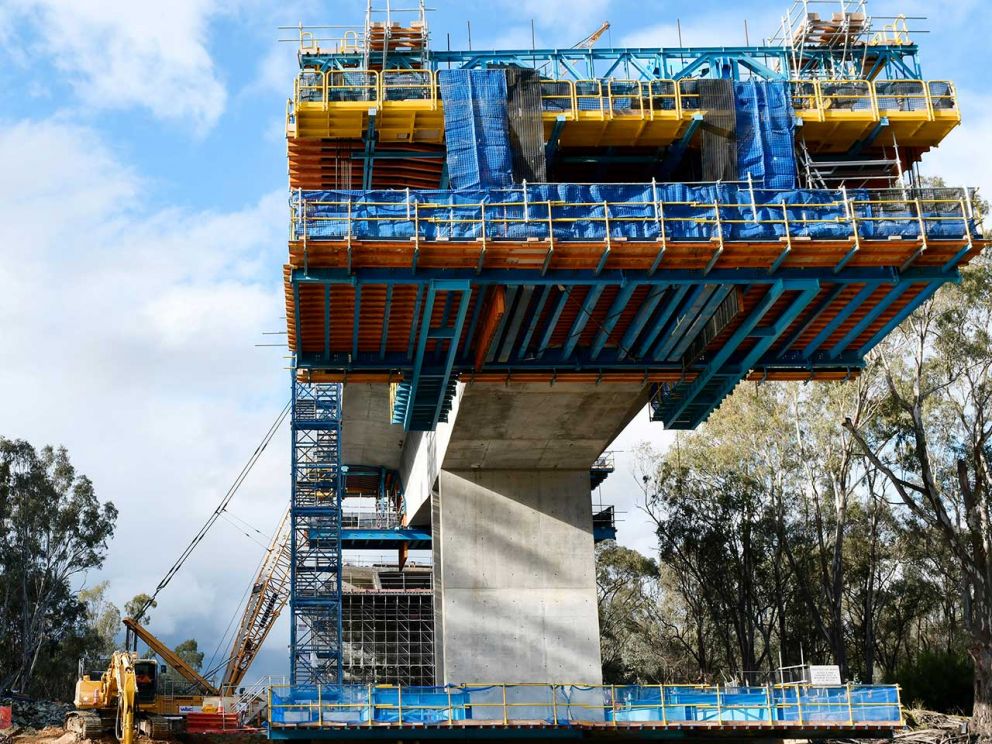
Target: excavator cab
[146, 680]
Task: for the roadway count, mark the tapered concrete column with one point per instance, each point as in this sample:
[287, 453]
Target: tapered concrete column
[515, 581]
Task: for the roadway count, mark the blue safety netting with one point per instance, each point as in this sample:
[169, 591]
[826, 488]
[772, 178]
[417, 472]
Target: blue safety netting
[476, 128]
[686, 212]
[577, 704]
[765, 123]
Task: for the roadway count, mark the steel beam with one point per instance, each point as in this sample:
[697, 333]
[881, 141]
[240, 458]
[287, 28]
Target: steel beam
[612, 317]
[867, 291]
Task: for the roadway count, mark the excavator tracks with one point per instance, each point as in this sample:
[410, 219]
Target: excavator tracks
[88, 724]
[159, 727]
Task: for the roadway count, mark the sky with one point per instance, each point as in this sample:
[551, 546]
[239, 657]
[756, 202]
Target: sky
[143, 220]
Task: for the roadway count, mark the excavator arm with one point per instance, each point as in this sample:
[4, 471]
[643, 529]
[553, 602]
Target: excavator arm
[122, 671]
[170, 657]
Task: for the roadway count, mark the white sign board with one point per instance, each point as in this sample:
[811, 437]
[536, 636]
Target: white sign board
[824, 675]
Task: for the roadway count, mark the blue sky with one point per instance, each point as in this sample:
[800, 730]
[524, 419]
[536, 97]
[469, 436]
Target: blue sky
[142, 229]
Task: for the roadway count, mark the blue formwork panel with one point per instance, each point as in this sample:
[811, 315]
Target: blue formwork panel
[583, 212]
[765, 139]
[476, 128]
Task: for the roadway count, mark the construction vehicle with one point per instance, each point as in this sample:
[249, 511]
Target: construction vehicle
[110, 700]
[123, 693]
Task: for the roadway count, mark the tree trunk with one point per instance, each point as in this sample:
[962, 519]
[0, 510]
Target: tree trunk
[981, 716]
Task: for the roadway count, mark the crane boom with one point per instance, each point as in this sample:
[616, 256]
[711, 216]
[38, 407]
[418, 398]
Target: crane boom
[170, 656]
[269, 594]
[590, 41]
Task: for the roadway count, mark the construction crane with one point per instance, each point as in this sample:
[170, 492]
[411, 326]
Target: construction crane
[269, 594]
[590, 41]
[170, 657]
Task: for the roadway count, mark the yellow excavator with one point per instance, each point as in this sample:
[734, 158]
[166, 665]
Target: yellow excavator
[107, 700]
[124, 697]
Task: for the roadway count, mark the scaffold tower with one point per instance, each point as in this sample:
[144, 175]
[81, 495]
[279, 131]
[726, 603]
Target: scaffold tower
[315, 514]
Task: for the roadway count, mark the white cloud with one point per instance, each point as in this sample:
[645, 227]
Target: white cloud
[622, 489]
[697, 30]
[129, 336]
[120, 53]
[559, 22]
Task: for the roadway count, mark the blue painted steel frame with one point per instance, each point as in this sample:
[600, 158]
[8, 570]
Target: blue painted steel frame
[641, 63]
[315, 438]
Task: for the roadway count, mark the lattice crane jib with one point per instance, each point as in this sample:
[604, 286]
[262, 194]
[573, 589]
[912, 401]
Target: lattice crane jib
[317, 487]
[269, 595]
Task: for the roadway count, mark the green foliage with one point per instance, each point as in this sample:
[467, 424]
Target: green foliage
[190, 652]
[138, 606]
[938, 680]
[102, 616]
[52, 529]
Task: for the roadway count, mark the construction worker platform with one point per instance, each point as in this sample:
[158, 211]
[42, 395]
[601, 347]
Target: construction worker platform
[692, 287]
[583, 711]
[405, 106]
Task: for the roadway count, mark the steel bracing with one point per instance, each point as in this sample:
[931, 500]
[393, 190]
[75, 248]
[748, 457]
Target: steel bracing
[317, 489]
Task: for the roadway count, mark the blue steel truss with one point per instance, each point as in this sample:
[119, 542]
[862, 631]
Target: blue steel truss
[896, 62]
[317, 487]
[671, 317]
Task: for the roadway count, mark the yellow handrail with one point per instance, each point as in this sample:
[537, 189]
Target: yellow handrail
[630, 98]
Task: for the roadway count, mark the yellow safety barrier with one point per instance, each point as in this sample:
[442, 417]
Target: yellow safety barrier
[623, 112]
[793, 706]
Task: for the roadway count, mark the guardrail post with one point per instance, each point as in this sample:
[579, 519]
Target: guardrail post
[450, 710]
[664, 708]
[850, 705]
[554, 703]
[551, 240]
[320, 708]
[482, 252]
[506, 714]
[416, 235]
[613, 703]
[349, 235]
[799, 704]
[719, 709]
[371, 705]
[523, 188]
[399, 703]
[750, 189]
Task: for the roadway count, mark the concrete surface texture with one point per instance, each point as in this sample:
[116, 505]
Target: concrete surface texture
[539, 426]
[515, 578]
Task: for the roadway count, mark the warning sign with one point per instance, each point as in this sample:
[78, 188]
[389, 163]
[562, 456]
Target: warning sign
[6, 718]
[824, 675]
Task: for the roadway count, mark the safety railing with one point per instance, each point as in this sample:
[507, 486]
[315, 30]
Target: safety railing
[649, 212]
[352, 519]
[666, 99]
[792, 706]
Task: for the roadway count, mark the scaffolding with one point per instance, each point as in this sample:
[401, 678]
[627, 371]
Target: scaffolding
[388, 625]
[315, 578]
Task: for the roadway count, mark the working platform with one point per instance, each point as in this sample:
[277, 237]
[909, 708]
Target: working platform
[405, 106]
[695, 286]
[583, 711]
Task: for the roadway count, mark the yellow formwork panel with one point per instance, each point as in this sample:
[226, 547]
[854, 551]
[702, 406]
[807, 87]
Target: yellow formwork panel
[834, 114]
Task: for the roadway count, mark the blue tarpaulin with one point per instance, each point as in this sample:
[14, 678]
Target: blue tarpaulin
[686, 212]
[765, 139]
[576, 704]
[476, 128]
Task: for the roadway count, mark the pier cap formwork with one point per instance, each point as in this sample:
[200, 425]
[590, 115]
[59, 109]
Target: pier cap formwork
[621, 265]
